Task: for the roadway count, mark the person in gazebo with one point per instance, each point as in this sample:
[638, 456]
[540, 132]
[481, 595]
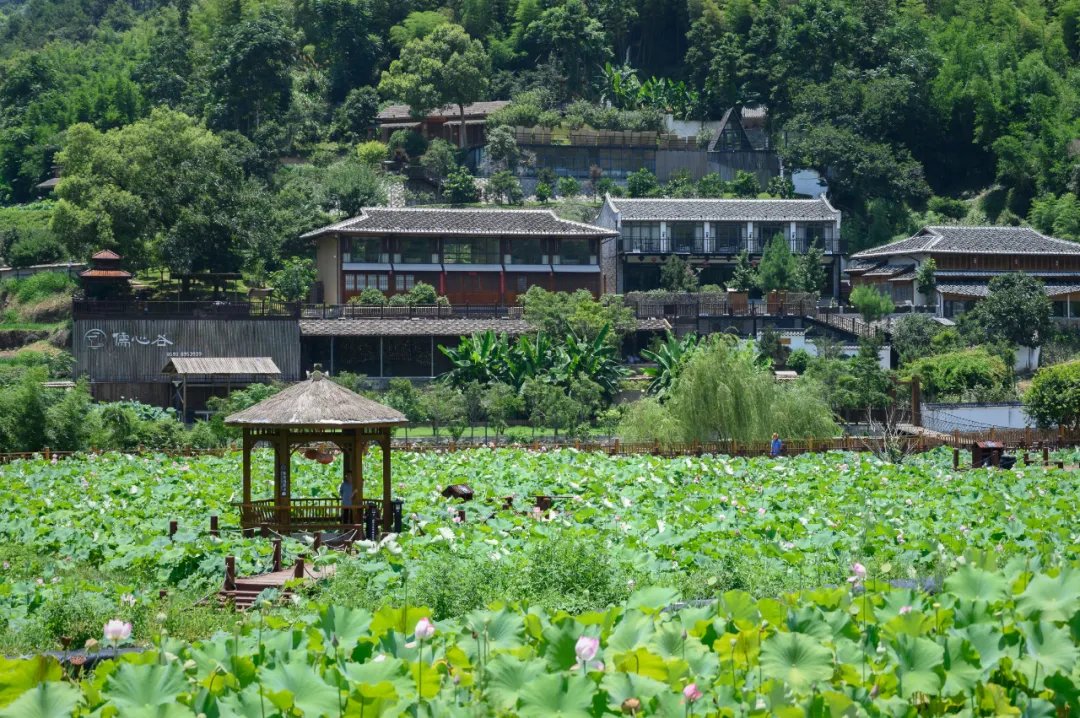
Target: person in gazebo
[345, 491]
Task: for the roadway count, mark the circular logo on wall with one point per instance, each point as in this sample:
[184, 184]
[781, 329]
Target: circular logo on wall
[95, 339]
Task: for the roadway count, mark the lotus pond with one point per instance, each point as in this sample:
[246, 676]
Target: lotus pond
[762, 549]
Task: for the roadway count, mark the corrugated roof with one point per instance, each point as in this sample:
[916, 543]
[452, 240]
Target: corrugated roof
[402, 112]
[317, 402]
[973, 240]
[204, 366]
[742, 210]
[489, 222]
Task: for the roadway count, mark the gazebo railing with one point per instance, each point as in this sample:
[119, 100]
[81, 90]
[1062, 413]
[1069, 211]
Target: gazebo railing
[304, 514]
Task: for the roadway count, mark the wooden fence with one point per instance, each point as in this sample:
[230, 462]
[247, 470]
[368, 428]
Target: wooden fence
[1010, 438]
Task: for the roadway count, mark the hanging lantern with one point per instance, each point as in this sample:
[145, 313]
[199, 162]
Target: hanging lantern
[324, 457]
[311, 454]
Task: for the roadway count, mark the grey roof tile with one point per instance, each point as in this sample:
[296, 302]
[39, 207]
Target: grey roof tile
[489, 222]
[974, 240]
[981, 289]
[790, 210]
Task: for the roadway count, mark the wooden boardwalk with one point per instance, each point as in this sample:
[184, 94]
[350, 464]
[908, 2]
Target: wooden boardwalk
[242, 592]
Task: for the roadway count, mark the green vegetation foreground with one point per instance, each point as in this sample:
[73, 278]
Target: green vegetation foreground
[85, 543]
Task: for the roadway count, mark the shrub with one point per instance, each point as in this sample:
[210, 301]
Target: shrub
[642, 183]
[371, 153]
[569, 187]
[37, 287]
[1054, 396]
[870, 303]
[960, 373]
[798, 360]
[35, 247]
[369, 297]
[543, 192]
[912, 336]
[409, 142]
[504, 187]
[947, 207]
[422, 293]
[460, 187]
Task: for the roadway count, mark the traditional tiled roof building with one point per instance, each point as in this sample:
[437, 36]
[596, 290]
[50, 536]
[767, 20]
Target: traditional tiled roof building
[966, 259]
[710, 233]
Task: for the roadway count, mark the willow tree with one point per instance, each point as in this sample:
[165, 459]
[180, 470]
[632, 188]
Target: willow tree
[723, 393]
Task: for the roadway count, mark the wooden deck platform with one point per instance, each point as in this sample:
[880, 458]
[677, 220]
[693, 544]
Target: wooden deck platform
[242, 592]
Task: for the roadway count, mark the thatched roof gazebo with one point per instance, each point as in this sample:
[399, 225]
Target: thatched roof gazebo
[312, 412]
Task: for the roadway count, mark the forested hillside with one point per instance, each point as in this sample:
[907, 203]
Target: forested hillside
[171, 119]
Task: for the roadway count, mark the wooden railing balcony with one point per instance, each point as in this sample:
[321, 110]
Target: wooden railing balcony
[320, 514]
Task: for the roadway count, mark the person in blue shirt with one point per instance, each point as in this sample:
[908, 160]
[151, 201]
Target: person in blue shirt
[777, 445]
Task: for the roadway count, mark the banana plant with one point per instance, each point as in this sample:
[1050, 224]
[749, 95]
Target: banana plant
[481, 358]
[669, 359]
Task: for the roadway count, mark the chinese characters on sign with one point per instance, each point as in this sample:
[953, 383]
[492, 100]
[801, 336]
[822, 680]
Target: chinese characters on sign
[98, 339]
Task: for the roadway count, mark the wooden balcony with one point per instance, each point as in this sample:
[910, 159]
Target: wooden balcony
[319, 514]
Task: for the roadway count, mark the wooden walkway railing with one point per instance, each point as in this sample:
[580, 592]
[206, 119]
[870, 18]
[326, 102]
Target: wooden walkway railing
[1011, 438]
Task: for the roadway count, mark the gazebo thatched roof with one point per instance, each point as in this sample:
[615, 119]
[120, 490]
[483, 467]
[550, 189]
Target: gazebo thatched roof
[317, 403]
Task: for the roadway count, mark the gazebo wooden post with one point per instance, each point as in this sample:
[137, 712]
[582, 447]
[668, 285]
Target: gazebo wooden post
[245, 506]
[388, 512]
[359, 447]
[282, 478]
[347, 449]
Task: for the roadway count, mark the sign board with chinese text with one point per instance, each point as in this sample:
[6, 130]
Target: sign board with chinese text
[136, 350]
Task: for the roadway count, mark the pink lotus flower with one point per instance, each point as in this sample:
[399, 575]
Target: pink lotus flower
[586, 648]
[691, 693]
[425, 629]
[858, 572]
[117, 630]
[905, 610]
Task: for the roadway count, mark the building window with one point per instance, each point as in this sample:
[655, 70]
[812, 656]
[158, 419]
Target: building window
[404, 282]
[471, 251]
[687, 236]
[727, 237]
[528, 251]
[358, 281]
[576, 251]
[418, 250]
[641, 237]
[522, 283]
[363, 249]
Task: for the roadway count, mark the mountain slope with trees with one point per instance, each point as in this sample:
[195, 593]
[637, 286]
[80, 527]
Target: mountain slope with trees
[907, 107]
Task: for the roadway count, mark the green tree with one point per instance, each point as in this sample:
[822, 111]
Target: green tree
[460, 187]
[250, 80]
[342, 35]
[501, 402]
[161, 191]
[778, 268]
[569, 187]
[351, 185]
[543, 192]
[676, 275]
[1015, 310]
[445, 67]
[1054, 396]
[356, 114]
[745, 184]
[560, 313]
[440, 160]
[870, 303]
[505, 187]
[443, 405]
[912, 336]
[502, 148]
[925, 279]
[568, 33]
[294, 280]
[960, 375]
[810, 269]
[723, 393]
[744, 277]
[642, 183]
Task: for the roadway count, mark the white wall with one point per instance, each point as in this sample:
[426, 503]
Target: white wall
[974, 417]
